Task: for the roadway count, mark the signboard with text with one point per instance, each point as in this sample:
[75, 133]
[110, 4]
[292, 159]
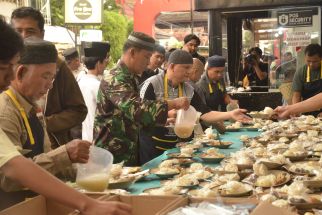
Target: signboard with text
[83, 11]
[299, 38]
[296, 17]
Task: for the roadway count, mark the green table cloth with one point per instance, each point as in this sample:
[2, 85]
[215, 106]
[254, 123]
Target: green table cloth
[153, 181]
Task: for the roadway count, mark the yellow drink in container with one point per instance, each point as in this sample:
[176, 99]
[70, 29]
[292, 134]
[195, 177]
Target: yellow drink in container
[94, 175]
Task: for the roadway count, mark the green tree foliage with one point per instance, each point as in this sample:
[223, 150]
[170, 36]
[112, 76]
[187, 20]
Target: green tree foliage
[111, 6]
[130, 26]
[57, 9]
[115, 30]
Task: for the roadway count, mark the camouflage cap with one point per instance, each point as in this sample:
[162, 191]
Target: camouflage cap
[38, 51]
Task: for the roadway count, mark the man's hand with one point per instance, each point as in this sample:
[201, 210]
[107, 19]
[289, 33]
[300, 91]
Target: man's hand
[107, 208]
[172, 113]
[239, 115]
[282, 112]
[78, 151]
[179, 103]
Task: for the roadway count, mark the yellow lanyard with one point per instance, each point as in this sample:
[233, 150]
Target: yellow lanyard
[211, 90]
[23, 114]
[308, 73]
[166, 95]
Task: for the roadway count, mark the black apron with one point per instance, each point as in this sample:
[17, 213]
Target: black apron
[215, 98]
[10, 198]
[155, 141]
[312, 88]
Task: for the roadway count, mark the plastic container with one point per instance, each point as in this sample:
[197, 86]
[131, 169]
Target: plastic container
[185, 122]
[94, 175]
[232, 106]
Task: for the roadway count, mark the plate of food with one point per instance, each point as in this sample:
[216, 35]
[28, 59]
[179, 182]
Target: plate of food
[211, 158]
[274, 178]
[165, 190]
[219, 144]
[187, 181]
[245, 173]
[287, 135]
[259, 115]
[307, 203]
[242, 167]
[296, 157]
[264, 140]
[271, 165]
[312, 183]
[303, 168]
[235, 189]
[203, 193]
[184, 162]
[121, 183]
[165, 173]
[178, 155]
[194, 146]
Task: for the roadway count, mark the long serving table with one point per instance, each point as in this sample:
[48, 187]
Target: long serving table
[153, 181]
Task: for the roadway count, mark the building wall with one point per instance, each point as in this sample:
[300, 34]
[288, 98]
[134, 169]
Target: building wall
[7, 6]
[146, 11]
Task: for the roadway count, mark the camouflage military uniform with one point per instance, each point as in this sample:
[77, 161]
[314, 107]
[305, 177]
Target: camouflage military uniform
[121, 112]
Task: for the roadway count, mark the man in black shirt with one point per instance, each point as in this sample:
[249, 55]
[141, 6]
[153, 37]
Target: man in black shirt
[191, 43]
[156, 61]
[255, 71]
[169, 85]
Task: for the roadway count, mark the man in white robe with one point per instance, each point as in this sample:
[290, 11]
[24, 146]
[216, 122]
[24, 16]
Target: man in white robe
[96, 60]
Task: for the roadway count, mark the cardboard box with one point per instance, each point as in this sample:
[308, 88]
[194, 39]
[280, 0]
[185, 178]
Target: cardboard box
[262, 208]
[37, 206]
[143, 205]
[266, 208]
[42, 206]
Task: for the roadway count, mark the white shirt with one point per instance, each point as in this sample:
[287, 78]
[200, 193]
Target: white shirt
[89, 85]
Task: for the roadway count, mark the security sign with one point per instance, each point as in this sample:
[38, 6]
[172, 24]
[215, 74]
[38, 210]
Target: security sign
[283, 19]
[83, 11]
[296, 17]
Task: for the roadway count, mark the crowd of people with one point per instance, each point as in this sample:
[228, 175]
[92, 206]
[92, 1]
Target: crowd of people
[53, 109]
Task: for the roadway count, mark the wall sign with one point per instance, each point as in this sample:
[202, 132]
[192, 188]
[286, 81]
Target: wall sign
[83, 11]
[90, 35]
[296, 17]
[298, 38]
